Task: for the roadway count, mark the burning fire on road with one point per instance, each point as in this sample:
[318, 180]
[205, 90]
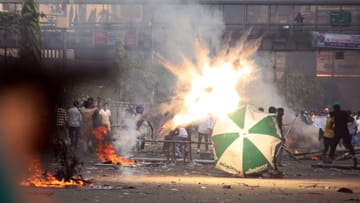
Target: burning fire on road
[105, 150]
[42, 179]
[315, 158]
[296, 151]
[307, 155]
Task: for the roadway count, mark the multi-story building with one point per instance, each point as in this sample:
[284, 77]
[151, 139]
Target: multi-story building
[79, 31]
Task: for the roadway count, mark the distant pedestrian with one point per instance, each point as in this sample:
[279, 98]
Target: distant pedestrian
[272, 109]
[89, 122]
[105, 115]
[341, 118]
[169, 137]
[356, 138]
[205, 129]
[61, 122]
[320, 122]
[352, 126]
[180, 147]
[279, 118]
[74, 121]
[328, 136]
[299, 19]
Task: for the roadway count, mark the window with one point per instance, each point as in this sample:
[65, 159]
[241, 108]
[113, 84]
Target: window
[257, 14]
[128, 13]
[339, 55]
[234, 14]
[282, 14]
[12, 7]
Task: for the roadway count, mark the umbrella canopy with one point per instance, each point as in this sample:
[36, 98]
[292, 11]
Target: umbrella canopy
[245, 141]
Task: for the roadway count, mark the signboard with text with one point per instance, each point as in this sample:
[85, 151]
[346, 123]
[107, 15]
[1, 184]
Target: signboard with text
[340, 18]
[336, 41]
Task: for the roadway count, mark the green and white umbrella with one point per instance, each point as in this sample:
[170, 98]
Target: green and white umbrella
[245, 141]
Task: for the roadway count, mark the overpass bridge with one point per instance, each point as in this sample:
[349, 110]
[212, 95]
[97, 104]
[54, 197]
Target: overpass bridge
[90, 35]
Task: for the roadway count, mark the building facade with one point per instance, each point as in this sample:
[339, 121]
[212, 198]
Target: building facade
[83, 30]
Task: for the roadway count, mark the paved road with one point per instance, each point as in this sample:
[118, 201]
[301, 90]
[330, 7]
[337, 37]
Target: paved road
[202, 183]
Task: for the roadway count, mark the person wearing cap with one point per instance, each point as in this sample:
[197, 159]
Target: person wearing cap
[341, 131]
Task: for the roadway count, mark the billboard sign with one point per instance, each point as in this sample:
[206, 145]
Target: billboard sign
[335, 41]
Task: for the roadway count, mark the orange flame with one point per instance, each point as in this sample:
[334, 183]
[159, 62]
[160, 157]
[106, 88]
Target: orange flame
[289, 141]
[315, 158]
[296, 151]
[39, 179]
[106, 151]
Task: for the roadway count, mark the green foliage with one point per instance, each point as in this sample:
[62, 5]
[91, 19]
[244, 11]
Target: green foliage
[136, 79]
[28, 25]
[300, 91]
[9, 21]
[30, 49]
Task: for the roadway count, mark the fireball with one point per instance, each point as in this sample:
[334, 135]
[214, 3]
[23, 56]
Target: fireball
[209, 84]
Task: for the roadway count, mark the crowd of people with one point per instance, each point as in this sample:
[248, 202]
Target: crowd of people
[204, 128]
[79, 121]
[75, 125]
[279, 113]
[335, 126]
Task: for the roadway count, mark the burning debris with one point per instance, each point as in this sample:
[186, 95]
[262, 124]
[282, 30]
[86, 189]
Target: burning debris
[43, 179]
[296, 152]
[105, 150]
[315, 156]
[64, 175]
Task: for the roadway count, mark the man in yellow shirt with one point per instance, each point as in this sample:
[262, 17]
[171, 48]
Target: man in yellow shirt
[328, 136]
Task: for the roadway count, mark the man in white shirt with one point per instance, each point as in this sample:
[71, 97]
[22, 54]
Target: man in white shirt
[181, 136]
[205, 128]
[320, 122]
[74, 120]
[105, 115]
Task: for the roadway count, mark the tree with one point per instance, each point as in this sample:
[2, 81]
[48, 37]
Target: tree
[301, 91]
[30, 40]
[136, 77]
[27, 24]
[9, 23]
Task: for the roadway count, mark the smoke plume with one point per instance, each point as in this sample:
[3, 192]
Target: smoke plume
[175, 29]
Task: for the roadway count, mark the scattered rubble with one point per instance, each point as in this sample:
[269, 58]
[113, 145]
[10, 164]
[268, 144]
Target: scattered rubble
[352, 200]
[344, 190]
[227, 186]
